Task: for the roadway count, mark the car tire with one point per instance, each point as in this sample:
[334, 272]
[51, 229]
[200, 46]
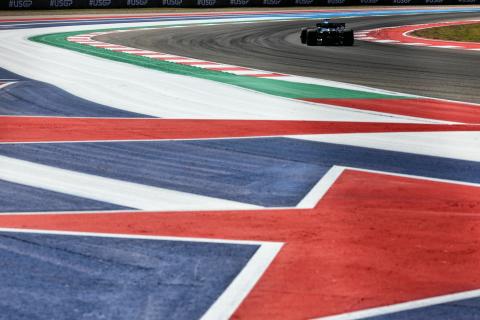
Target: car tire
[303, 35]
[311, 37]
[348, 38]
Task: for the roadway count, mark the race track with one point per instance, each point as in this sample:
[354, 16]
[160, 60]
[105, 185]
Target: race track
[276, 46]
[209, 166]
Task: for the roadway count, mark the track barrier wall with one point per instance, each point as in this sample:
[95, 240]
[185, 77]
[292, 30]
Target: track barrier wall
[96, 4]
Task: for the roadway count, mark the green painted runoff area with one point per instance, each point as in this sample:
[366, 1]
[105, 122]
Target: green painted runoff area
[270, 86]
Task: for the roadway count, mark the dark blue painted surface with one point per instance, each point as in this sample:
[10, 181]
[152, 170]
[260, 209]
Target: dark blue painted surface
[459, 310]
[34, 98]
[184, 167]
[328, 154]
[303, 15]
[71, 277]
[268, 171]
[20, 198]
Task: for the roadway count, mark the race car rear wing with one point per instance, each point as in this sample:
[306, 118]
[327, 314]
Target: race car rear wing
[332, 25]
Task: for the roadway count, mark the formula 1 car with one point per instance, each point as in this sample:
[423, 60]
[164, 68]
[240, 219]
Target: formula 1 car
[327, 33]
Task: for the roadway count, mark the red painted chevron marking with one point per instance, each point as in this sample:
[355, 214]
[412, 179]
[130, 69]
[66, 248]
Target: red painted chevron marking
[420, 107]
[36, 129]
[373, 240]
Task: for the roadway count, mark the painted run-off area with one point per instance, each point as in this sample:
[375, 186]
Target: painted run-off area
[353, 248]
[332, 257]
[447, 33]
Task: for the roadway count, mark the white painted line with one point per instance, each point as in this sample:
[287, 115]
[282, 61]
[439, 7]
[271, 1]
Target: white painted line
[106, 45]
[3, 85]
[475, 49]
[138, 51]
[160, 55]
[99, 33]
[422, 303]
[197, 63]
[438, 144]
[128, 194]
[78, 38]
[212, 65]
[121, 49]
[36, 213]
[103, 46]
[118, 48]
[386, 41]
[445, 47]
[321, 188]
[182, 60]
[88, 42]
[241, 286]
[217, 66]
[413, 44]
[143, 53]
[416, 177]
[134, 236]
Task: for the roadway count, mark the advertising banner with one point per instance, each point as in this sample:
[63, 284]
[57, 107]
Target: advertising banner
[98, 4]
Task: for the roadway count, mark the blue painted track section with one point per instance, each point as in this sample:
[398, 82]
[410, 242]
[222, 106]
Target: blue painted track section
[27, 97]
[459, 310]
[291, 15]
[48, 277]
[181, 166]
[329, 154]
[271, 172]
[20, 198]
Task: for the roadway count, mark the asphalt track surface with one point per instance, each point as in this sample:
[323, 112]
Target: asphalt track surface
[275, 46]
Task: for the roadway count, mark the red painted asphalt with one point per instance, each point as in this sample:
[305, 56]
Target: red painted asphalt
[373, 240]
[39, 129]
[415, 107]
